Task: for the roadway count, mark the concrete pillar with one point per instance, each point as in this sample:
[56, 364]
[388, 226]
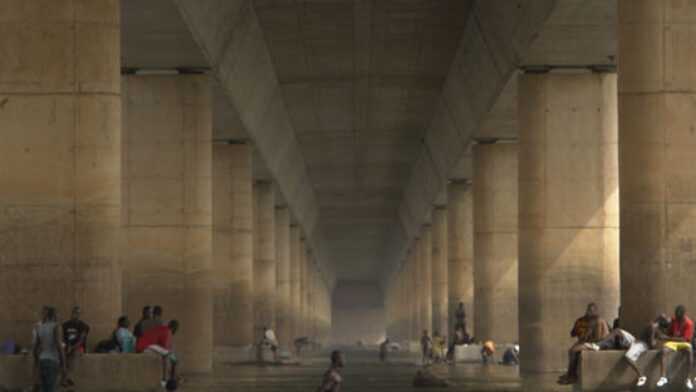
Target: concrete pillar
[414, 293]
[167, 198]
[283, 289]
[264, 257]
[295, 273]
[233, 247]
[60, 153]
[569, 227]
[439, 271]
[302, 314]
[426, 291]
[460, 245]
[656, 90]
[495, 242]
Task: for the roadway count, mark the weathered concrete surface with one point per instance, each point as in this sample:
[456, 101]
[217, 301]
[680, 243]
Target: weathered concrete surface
[233, 246]
[302, 314]
[415, 329]
[425, 264]
[93, 372]
[295, 274]
[60, 208]
[495, 242]
[656, 151]
[167, 220]
[283, 282]
[440, 282]
[264, 257]
[609, 371]
[460, 254]
[568, 208]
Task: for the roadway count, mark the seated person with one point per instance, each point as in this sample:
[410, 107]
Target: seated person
[300, 343]
[75, 332]
[383, 349]
[487, 352]
[648, 339]
[269, 339]
[426, 347]
[125, 340]
[511, 356]
[158, 340]
[590, 328]
[425, 378]
[678, 339]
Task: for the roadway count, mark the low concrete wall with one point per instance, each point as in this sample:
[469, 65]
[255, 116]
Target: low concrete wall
[608, 371]
[93, 372]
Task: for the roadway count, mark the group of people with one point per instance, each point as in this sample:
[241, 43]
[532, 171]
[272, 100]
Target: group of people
[57, 346]
[670, 335]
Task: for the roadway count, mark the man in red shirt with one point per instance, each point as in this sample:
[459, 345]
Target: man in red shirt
[158, 340]
[678, 339]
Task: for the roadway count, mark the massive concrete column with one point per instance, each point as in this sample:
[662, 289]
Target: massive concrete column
[426, 292]
[302, 314]
[167, 253]
[60, 153]
[295, 273]
[264, 257]
[657, 91]
[568, 183]
[414, 292]
[460, 245]
[495, 242]
[439, 270]
[233, 248]
[283, 289]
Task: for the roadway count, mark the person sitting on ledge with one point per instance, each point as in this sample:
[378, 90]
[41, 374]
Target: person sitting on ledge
[300, 343]
[269, 339]
[589, 328]
[75, 333]
[647, 340]
[678, 339]
[158, 340]
[487, 352]
[511, 356]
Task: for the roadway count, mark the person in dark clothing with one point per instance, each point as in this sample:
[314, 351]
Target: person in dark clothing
[332, 378]
[617, 321]
[146, 316]
[75, 332]
[590, 328]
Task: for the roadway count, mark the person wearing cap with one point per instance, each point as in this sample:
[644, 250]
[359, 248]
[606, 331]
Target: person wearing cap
[75, 332]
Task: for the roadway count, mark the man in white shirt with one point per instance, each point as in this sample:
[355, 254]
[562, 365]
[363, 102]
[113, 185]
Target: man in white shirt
[269, 338]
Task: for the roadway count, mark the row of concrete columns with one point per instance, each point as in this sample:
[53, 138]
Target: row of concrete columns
[114, 197]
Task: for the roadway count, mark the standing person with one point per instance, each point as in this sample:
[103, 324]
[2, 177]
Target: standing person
[332, 378]
[75, 333]
[590, 328]
[438, 350]
[48, 350]
[383, 350]
[426, 347]
[145, 322]
[269, 339]
[678, 339]
[460, 316]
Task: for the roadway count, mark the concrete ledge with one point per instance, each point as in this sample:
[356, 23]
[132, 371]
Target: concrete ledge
[93, 372]
[608, 371]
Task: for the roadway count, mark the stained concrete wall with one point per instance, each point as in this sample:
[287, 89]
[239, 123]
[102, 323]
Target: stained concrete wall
[440, 291]
[568, 208]
[264, 257]
[426, 278]
[358, 313]
[283, 283]
[60, 108]
[495, 242]
[233, 246]
[460, 244]
[167, 197]
[656, 153]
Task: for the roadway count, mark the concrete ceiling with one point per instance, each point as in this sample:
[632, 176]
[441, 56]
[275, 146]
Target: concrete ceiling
[363, 109]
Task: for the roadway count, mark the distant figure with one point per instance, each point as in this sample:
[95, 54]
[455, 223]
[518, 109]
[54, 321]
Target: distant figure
[460, 316]
[300, 343]
[426, 347]
[332, 378]
[438, 350]
[144, 322]
[678, 339]
[590, 328]
[75, 333]
[269, 339]
[383, 349]
[48, 350]
[511, 356]
[425, 378]
[487, 352]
